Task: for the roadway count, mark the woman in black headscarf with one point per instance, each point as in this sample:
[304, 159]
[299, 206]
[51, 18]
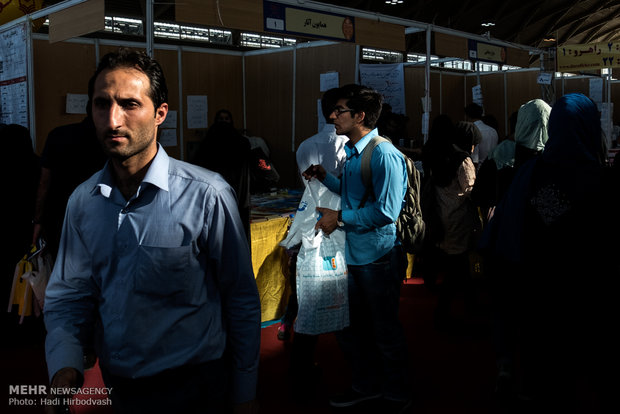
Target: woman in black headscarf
[226, 151]
[547, 237]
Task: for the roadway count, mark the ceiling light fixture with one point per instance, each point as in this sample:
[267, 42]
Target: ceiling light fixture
[487, 24]
[393, 2]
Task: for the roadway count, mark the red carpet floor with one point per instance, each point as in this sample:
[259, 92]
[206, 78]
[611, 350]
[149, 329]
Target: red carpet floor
[450, 372]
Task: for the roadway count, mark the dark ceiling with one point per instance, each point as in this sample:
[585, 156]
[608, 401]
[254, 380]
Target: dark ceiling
[526, 22]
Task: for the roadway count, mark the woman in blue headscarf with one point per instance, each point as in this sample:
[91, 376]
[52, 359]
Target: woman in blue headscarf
[544, 243]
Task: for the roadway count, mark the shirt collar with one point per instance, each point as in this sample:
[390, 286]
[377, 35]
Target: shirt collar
[157, 174]
[361, 144]
[158, 171]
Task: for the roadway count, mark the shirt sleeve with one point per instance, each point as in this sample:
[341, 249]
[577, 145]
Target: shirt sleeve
[228, 248]
[467, 175]
[389, 175]
[70, 300]
[332, 183]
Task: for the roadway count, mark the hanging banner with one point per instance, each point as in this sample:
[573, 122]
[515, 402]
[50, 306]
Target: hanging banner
[486, 52]
[594, 56]
[282, 18]
[388, 80]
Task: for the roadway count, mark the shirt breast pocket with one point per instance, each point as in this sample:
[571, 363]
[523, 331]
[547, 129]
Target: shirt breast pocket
[165, 273]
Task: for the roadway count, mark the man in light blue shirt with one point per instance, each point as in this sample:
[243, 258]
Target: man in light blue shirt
[154, 268]
[374, 342]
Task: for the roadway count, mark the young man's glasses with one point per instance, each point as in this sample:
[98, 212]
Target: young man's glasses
[340, 111]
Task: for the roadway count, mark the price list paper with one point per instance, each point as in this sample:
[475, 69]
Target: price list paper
[13, 76]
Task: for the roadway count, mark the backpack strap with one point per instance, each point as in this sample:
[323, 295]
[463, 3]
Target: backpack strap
[366, 170]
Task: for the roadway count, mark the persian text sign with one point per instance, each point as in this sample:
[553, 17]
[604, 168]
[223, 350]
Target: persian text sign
[588, 57]
[297, 20]
[486, 52]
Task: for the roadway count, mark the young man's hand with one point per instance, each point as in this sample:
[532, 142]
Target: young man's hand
[315, 171]
[329, 220]
[68, 378]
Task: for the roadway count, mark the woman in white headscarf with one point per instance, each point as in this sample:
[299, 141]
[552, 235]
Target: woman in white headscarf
[496, 173]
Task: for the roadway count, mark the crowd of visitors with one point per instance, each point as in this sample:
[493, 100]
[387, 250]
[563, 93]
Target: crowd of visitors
[527, 211]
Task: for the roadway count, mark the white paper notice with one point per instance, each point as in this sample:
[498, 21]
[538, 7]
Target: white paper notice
[14, 76]
[596, 89]
[425, 121]
[76, 103]
[606, 118]
[170, 121]
[329, 80]
[388, 79]
[427, 106]
[321, 118]
[544, 78]
[196, 111]
[168, 137]
[476, 94]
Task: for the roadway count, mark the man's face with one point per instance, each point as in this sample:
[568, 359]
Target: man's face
[224, 117]
[344, 118]
[124, 115]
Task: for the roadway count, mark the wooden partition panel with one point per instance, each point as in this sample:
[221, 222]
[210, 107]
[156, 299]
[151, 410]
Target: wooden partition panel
[59, 69]
[168, 59]
[269, 108]
[573, 85]
[446, 93]
[521, 87]
[414, 90]
[311, 63]
[492, 95]
[219, 76]
[452, 96]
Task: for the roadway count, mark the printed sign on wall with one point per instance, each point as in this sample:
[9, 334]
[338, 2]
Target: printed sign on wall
[387, 79]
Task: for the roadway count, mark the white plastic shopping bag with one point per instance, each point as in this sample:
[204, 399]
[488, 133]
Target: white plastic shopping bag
[322, 286]
[304, 220]
[38, 278]
[315, 195]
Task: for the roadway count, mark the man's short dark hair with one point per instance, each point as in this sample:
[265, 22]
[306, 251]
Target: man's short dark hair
[474, 111]
[328, 102]
[363, 99]
[126, 58]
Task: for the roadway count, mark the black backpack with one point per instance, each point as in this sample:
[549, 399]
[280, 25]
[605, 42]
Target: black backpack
[410, 227]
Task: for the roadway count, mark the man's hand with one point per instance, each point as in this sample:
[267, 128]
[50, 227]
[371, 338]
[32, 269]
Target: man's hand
[64, 378]
[315, 171]
[329, 220]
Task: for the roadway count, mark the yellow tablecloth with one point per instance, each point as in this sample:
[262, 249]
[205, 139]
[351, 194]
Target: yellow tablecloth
[269, 261]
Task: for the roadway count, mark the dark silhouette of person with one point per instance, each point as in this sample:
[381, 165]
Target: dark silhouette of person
[226, 151]
[70, 156]
[21, 169]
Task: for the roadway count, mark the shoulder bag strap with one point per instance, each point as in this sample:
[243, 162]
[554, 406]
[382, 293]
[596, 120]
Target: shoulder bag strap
[366, 169]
